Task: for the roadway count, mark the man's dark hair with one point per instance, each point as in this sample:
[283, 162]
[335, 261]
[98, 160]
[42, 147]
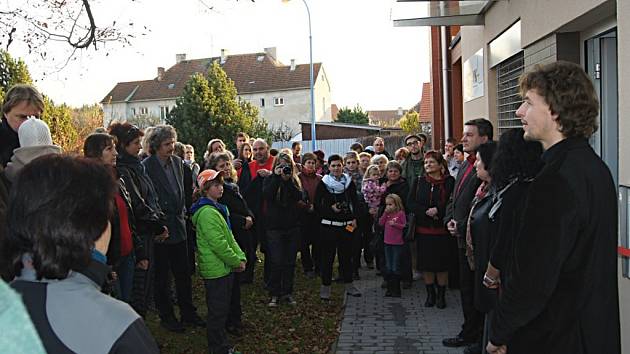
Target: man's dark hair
[273, 152]
[515, 158]
[242, 135]
[125, 133]
[459, 147]
[309, 156]
[95, 143]
[295, 143]
[570, 94]
[451, 141]
[486, 152]
[59, 207]
[335, 157]
[483, 125]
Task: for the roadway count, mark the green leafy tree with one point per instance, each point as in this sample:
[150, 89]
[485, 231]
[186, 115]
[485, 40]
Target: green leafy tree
[59, 120]
[12, 72]
[410, 122]
[210, 108]
[355, 115]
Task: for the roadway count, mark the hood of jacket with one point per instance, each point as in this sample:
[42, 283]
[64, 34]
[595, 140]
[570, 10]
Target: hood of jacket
[24, 155]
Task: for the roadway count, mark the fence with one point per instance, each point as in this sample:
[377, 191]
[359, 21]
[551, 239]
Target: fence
[329, 147]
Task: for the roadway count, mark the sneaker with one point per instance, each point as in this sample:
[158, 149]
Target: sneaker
[273, 302]
[417, 275]
[290, 300]
[352, 290]
[324, 292]
[233, 351]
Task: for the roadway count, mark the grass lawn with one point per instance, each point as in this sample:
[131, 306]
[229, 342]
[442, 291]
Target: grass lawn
[309, 327]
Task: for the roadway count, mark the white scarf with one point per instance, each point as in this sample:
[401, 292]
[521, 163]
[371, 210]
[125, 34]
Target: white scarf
[337, 186]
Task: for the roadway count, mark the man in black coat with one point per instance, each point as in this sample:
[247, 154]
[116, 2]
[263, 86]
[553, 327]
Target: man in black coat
[20, 103]
[167, 174]
[476, 132]
[562, 295]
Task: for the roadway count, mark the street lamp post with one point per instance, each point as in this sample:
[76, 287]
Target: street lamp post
[310, 43]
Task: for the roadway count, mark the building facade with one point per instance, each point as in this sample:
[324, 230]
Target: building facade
[500, 40]
[280, 92]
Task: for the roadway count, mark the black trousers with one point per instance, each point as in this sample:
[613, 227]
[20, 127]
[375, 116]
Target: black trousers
[472, 328]
[336, 239]
[281, 252]
[365, 231]
[173, 258]
[245, 240]
[218, 294]
[310, 246]
[236, 311]
[406, 273]
[143, 280]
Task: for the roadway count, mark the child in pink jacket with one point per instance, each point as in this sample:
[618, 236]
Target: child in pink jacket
[393, 221]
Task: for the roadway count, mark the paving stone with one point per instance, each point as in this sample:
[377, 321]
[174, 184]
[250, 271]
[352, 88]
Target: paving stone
[376, 324]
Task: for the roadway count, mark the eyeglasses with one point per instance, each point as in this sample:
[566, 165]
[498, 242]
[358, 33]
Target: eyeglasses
[412, 143]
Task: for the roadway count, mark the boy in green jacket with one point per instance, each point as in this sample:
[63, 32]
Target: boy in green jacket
[218, 256]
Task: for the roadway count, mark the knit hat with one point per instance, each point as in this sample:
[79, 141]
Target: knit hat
[34, 132]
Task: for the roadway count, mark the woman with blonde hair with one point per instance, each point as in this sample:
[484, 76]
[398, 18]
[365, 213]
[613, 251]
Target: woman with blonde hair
[282, 192]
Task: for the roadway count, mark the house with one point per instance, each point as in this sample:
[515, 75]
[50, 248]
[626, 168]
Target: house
[479, 51]
[386, 118]
[280, 92]
[391, 118]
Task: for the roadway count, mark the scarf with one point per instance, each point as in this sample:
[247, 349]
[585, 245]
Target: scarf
[337, 186]
[223, 210]
[439, 183]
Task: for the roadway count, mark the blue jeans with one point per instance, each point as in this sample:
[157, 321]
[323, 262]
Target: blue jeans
[281, 251]
[392, 258]
[124, 269]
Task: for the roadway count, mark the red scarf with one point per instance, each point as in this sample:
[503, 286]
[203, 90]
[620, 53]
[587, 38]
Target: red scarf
[439, 183]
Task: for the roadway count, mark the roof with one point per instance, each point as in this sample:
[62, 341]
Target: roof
[386, 116]
[254, 72]
[345, 125]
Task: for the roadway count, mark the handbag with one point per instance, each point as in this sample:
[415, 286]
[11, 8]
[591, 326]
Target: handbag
[409, 231]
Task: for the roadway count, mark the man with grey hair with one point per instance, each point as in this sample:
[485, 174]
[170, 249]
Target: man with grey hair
[20, 103]
[167, 174]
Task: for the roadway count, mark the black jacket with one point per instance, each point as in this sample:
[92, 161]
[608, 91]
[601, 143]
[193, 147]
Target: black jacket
[424, 195]
[562, 296]
[459, 206]
[172, 203]
[8, 142]
[237, 206]
[282, 199]
[401, 188]
[148, 216]
[482, 232]
[324, 201]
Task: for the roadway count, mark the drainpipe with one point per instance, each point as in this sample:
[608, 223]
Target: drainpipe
[445, 84]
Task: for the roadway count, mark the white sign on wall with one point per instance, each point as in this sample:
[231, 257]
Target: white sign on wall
[473, 76]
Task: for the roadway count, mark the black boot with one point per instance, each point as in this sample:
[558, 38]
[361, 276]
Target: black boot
[396, 286]
[441, 300]
[389, 282]
[430, 296]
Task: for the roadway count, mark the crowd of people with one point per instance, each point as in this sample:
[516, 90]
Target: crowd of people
[525, 227]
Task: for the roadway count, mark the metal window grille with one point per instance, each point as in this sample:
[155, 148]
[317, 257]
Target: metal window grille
[508, 98]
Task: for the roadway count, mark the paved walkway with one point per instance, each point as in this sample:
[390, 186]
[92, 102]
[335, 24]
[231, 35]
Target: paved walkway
[374, 324]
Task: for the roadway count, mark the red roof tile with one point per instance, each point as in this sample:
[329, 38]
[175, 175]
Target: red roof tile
[255, 72]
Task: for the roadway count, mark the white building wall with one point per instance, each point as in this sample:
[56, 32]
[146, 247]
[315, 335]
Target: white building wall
[121, 111]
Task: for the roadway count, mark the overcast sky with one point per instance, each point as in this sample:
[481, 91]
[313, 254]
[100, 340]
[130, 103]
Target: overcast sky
[368, 61]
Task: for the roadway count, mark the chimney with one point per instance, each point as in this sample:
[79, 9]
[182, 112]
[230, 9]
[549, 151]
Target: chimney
[160, 75]
[400, 111]
[271, 51]
[292, 64]
[224, 55]
[180, 58]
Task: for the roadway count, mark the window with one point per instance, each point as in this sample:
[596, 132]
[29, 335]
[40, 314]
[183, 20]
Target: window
[133, 111]
[164, 110]
[144, 110]
[508, 97]
[278, 101]
[262, 102]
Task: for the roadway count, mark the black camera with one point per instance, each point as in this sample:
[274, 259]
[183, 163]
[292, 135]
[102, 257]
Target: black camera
[287, 170]
[343, 207]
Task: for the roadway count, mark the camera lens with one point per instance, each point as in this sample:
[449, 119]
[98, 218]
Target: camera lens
[287, 170]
